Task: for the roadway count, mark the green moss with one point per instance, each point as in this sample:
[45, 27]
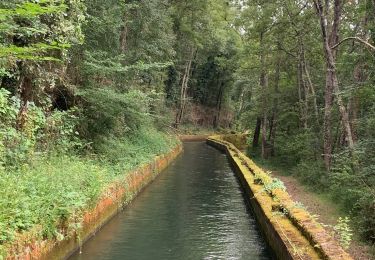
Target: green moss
[307, 234]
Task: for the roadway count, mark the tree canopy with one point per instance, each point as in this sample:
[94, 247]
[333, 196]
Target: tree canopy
[298, 75]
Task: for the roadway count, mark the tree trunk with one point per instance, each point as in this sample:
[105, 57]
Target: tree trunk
[311, 88]
[264, 135]
[124, 38]
[275, 110]
[25, 92]
[241, 104]
[218, 106]
[302, 57]
[332, 86]
[263, 85]
[184, 88]
[257, 132]
[327, 126]
[353, 107]
[301, 95]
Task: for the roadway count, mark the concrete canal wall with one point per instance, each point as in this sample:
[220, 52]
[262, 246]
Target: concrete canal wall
[113, 200]
[289, 229]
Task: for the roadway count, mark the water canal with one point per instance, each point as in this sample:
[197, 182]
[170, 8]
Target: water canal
[193, 210]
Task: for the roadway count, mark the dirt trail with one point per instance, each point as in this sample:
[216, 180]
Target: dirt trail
[326, 210]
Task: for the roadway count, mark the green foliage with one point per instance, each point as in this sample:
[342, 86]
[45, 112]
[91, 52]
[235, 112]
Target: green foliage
[51, 194]
[95, 78]
[344, 231]
[274, 185]
[47, 194]
[282, 48]
[17, 146]
[293, 149]
[40, 28]
[128, 152]
[8, 109]
[55, 132]
[353, 183]
[59, 132]
[111, 112]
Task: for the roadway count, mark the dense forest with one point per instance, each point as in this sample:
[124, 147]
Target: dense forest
[90, 89]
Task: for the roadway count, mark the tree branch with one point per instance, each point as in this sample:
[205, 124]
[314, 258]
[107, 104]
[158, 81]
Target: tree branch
[354, 39]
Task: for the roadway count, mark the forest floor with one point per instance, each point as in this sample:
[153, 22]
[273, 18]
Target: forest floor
[326, 210]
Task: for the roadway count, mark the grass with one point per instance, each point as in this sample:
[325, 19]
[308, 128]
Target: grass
[50, 194]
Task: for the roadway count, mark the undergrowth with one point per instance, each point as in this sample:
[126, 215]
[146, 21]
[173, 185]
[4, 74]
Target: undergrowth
[350, 184]
[51, 193]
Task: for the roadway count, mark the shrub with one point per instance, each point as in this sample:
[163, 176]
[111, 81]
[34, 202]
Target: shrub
[17, 145]
[293, 149]
[344, 231]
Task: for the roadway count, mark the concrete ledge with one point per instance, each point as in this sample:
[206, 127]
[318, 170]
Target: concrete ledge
[113, 200]
[290, 230]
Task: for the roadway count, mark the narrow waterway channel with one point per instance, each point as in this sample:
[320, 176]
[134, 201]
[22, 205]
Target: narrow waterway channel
[193, 210]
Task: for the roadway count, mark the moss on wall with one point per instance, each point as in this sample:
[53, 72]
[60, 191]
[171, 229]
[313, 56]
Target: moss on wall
[290, 230]
[113, 200]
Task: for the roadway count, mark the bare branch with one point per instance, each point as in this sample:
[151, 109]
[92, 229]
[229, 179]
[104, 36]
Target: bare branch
[354, 39]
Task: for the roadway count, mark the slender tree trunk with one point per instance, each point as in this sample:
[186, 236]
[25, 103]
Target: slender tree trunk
[257, 132]
[25, 92]
[301, 98]
[332, 85]
[275, 110]
[304, 67]
[327, 135]
[264, 135]
[241, 104]
[184, 88]
[124, 38]
[353, 107]
[312, 90]
[263, 85]
[218, 106]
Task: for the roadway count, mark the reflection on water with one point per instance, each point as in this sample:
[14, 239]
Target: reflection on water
[193, 210]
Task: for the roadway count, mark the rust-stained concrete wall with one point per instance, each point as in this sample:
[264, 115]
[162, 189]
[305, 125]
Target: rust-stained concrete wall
[113, 201]
[290, 230]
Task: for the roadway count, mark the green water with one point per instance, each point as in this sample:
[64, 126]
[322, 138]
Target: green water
[193, 210]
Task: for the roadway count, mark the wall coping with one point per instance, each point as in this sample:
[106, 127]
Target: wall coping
[112, 201]
[302, 236]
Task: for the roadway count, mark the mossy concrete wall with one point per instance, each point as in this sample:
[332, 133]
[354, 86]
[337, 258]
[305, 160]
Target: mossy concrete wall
[290, 230]
[112, 202]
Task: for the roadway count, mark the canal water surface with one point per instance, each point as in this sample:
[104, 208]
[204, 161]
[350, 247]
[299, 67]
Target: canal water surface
[193, 210]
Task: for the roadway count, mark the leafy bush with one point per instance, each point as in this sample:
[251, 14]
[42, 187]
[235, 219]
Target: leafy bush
[45, 185]
[312, 173]
[344, 231]
[353, 182]
[17, 146]
[350, 184]
[293, 149]
[59, 132]
[127, 152]
[55, 132]
[113, 113]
